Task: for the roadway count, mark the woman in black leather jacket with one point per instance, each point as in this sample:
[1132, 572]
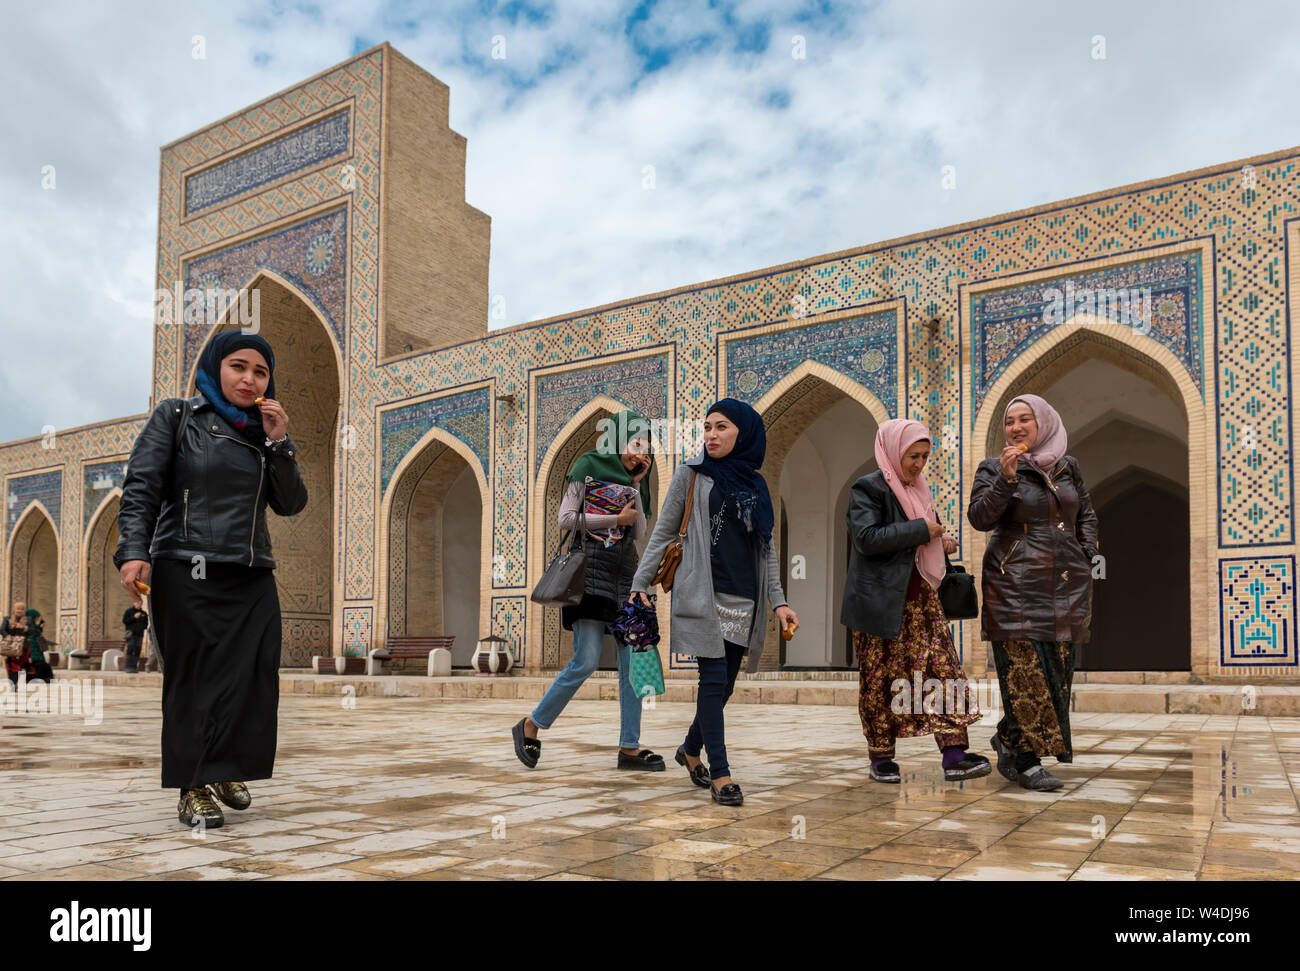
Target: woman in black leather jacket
[910, 680]
[193, 522]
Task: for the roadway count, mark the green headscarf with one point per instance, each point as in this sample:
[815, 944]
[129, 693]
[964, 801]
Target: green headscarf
[33, 636]
[605, 461]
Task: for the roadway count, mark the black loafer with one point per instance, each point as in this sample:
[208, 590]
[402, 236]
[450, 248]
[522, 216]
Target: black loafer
[971, 767]
[729, 795]
[529, 750]
[886, 772]
[1006, 759]
[699, 774]
[645, 760]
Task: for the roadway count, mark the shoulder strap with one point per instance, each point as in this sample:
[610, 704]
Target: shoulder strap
[686, 513]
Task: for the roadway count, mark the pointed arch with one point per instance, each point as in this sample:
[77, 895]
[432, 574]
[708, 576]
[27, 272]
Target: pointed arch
[416, 462]
[1052, 357]
[34, 517]
[99, 584]
[543, 623]
[845, 385]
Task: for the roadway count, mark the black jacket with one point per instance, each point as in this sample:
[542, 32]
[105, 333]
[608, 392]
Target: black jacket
[207, 495]
[884, 550]
[1037, 571]
[136, 626]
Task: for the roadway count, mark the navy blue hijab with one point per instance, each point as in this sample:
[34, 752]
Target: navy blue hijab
[246, 421]
[735, 476]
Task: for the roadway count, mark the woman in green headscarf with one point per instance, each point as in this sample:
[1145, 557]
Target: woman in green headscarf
[610, 479]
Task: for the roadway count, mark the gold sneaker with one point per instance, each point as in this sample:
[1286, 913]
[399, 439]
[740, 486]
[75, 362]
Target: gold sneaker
[197, 808]
[233, 794]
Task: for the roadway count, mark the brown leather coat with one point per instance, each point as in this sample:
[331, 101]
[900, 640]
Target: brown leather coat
[1037, 570]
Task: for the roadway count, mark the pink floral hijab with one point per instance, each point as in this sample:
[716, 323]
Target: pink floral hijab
[1052, 440]
[893, 439]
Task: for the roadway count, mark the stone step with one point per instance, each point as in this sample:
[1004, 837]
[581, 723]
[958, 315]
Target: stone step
[1275, 701]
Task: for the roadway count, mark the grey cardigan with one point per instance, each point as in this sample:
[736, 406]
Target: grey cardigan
[695, 630]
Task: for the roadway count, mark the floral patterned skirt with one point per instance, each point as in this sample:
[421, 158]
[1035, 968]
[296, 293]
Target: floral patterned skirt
[913, 685]
[1034, 679]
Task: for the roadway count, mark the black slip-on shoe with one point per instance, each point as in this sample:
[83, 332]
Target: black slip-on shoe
[886, 772]
[645, 760]
[729, 795]
[529, 750]
[699, 774]
[971, 767]
[1006, 759]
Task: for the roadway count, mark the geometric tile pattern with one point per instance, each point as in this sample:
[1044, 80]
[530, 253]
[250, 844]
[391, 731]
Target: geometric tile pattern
[863, 348]
[508, 616]
[357, 630]
[46, 487]
[99, 480]
[1258, 606]
[300, 149]
[1005, 322]
[641, 384]
[304, 254]
[463, 415]
[399, 523]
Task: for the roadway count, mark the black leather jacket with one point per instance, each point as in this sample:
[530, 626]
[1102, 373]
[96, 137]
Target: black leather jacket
[207, 495]
[884, 550]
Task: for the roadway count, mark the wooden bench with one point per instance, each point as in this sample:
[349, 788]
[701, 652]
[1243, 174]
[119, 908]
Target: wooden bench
[92, 654]
[405, 648]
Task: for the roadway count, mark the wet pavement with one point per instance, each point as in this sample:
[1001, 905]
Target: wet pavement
[370, 788]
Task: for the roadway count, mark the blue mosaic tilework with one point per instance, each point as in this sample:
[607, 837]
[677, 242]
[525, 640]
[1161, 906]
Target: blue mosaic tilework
[47, 487]
[464, 415]
[298, 150]
[641, 384]
[508, 619]
[1258, 610]
[97, 482]
[863, 348]
[309, 255]
[358, 630]
[1004, 323]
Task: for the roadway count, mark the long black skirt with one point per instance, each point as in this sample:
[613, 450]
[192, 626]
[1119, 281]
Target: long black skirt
[219, 638]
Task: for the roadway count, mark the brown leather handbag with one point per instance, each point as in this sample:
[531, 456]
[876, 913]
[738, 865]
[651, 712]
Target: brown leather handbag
[673, 554]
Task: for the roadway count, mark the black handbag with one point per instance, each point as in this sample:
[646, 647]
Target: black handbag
[957, 593]
[565, 579]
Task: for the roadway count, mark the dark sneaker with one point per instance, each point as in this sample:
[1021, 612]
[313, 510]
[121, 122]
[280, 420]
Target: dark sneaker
[886, 772]
[1006, 759]
[1040, 779]
[971, 767]
[233, 794]
[645, 760]
[197, 808]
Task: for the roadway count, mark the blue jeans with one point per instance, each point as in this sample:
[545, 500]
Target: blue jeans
[717, 681]
[587, 636]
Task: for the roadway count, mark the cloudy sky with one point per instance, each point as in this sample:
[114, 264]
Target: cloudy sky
[761, 156]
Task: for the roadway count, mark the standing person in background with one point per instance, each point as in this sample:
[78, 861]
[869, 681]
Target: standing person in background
[136, 621]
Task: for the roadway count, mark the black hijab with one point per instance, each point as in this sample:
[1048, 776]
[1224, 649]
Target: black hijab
[736, 479]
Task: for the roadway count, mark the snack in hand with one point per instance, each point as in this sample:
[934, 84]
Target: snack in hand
[141, 586]
[1021, 446]
[258, 400]
[789, 630]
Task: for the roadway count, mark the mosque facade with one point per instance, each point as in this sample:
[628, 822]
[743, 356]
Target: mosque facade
[1155, 317]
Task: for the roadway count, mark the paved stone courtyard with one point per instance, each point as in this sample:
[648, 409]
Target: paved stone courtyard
[429, 789]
